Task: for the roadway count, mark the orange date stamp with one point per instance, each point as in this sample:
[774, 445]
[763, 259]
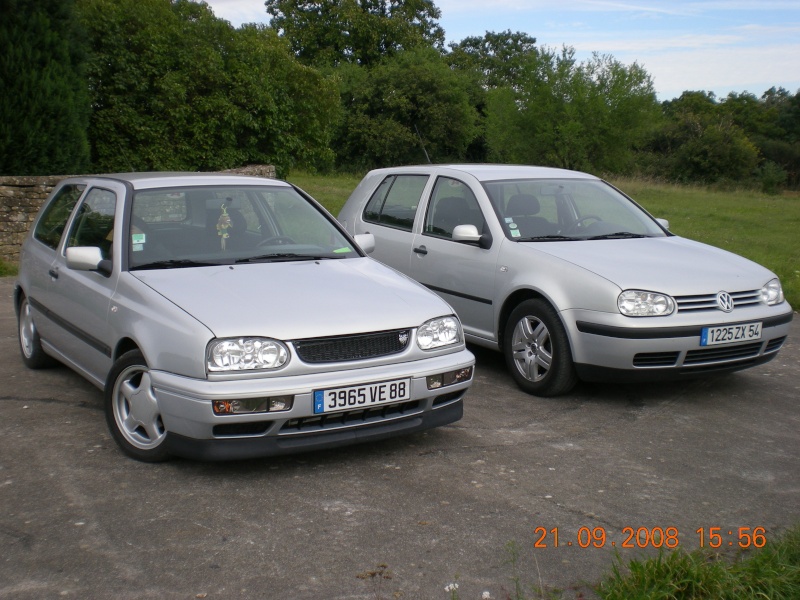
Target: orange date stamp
[650, 537]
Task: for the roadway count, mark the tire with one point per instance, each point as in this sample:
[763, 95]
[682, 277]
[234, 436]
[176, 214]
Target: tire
[537, 350]
[132, 410]
[30, 344]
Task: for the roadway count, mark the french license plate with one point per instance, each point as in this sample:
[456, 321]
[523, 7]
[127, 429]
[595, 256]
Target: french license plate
[361, 396]
[728, 334]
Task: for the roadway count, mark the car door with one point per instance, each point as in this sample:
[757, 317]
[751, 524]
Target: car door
[462, 273]
[77, 302]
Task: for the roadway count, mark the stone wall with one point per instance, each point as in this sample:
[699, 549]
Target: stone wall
[21, 198]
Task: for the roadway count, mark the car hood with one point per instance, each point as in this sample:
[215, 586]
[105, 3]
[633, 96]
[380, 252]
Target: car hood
[671, 265]
[295, 300]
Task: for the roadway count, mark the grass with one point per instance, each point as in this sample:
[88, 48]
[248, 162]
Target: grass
[331, 191]
[7, 269]
[760, 227]
[772, 572]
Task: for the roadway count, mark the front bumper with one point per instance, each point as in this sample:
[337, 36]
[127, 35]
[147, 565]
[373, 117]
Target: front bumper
[612, 351]
[196, 432]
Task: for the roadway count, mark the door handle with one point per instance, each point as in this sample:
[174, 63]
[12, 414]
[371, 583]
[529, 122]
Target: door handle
[53, 273]
[421, 250]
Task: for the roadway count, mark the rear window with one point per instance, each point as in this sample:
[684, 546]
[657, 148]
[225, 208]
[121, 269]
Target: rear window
[53, 221]
[395, 202]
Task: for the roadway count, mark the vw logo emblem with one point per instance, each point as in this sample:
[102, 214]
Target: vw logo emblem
[403, 338]
[725, 302]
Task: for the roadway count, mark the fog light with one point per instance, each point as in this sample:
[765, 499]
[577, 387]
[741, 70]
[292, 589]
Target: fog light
[458, 376]
[252, 405]
[434, 381]
[451, 377]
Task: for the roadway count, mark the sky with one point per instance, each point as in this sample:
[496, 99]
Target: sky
[718, 46]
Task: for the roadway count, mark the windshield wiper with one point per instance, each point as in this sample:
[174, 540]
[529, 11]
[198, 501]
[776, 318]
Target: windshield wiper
[619, 235]
[288, 256]
[174, 264]
[546, 238]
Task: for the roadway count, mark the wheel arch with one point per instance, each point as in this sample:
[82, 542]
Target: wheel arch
[19, 294]
[515, 299]
[124, 345]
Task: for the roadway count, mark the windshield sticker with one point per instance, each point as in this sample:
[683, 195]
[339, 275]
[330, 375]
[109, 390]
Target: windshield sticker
[344, 250]
[512, 225]
[515, 233]
[138, 239]
[509, 219]
[137, 247]
[223, 224]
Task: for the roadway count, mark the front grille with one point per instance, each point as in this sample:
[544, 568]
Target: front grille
[352, 347]
[350, 418]
[656, 359]
[725, 353]
[708, 302]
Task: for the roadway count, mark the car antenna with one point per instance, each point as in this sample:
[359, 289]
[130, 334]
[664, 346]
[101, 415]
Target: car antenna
[421, 143]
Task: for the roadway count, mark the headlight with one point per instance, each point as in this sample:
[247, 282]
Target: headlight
[246, 354]
[772, 293]
[637, 303]
[444, 331]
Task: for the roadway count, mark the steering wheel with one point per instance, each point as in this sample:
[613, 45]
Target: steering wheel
[577, 223]
[276, 240]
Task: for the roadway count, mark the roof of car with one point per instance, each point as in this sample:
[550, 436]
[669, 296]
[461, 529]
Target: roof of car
[156, 179]
[492, 172]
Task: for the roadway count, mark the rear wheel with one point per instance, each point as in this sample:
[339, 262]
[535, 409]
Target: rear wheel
[30, 345]
[537, 350]
[132, 410]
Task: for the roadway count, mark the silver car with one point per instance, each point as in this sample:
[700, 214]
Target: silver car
[231, 317]
[567, 276]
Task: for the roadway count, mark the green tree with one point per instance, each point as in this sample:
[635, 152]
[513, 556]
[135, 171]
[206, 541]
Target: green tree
[497, 58]
[409, 104]
[700, 142]
[333, 32]
[586, 116]
[44, 108]
[175, 88]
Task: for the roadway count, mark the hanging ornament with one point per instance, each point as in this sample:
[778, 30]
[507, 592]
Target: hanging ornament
[223, 224]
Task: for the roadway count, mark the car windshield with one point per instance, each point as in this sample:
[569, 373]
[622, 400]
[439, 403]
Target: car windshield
[552, 210]
[212, 225]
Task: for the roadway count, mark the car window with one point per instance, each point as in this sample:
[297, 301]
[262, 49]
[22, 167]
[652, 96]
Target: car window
[395, 202]
[229, 224]
[574, 209]
[94, 222]
[452, 203]
[55, 216]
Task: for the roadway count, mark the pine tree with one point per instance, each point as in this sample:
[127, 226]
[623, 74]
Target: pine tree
[44, 106]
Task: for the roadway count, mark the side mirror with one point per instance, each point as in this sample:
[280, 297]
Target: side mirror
[469, 235]
[664, 223]
[365, 241]
[88, 258]
[466, 233]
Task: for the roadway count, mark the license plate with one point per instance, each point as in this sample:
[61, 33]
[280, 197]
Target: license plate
[361, 396]
[729, 334]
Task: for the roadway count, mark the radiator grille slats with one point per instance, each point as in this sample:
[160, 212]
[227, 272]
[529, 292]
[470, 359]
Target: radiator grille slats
[352, 347]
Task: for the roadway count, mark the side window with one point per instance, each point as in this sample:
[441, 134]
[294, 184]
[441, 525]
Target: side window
[54, 218]
[94, 222]
[395, 202]
[452, 203]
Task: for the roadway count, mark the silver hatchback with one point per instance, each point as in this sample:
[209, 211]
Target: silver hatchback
[232, 317]
[569, 277]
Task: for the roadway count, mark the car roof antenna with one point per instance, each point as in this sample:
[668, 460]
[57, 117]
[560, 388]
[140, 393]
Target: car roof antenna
[421, 143]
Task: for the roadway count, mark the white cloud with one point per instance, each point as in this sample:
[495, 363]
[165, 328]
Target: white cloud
[723, 70]
[240, 11]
